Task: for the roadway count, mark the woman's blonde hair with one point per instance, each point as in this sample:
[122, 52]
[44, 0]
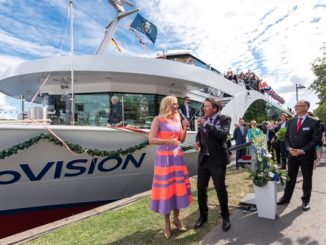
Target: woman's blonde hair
[166, 107]
[285, 115]
[253, 123]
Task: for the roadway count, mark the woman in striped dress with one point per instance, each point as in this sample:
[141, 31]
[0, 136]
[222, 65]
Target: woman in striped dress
[171, 187]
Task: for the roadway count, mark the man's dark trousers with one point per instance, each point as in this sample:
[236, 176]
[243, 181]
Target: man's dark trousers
[206, 169]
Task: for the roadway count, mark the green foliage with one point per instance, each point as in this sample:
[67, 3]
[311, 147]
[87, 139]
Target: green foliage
[319, 69]
[76, 148]
[73, 147]
[321, 112]
[281, 134]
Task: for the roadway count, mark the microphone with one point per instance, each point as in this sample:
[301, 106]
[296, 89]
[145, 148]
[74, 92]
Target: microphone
[182, 115]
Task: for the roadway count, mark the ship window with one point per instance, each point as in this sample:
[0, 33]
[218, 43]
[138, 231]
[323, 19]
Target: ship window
[261, 111]
[139, 109]
[92, 109]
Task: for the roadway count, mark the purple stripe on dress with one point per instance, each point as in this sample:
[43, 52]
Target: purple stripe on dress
[171, 175]
[168, 185]
[166, 206]
[170, 127]
[166, 161]
[169, 148]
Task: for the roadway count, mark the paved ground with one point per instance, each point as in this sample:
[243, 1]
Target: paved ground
[293, 226]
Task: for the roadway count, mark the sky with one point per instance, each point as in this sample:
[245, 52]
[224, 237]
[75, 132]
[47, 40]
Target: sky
[277, 39]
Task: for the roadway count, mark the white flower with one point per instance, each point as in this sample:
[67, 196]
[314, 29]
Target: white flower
[271, 175]
[268, 155]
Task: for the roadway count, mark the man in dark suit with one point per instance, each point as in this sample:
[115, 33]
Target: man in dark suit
[187, 110]
[301, 138]
[213, 158]
[240, 137]
[115, 116]
[270, 138]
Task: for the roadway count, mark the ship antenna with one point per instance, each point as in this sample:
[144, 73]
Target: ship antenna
[112, 27]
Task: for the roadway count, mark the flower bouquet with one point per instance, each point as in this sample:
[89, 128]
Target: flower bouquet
[281, 134]
[264, 169]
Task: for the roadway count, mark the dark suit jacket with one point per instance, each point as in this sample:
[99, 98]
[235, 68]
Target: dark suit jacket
[116, 113]
[239, 137]
[271, 135]
[213, 138]
[184, 111]
[307, 138]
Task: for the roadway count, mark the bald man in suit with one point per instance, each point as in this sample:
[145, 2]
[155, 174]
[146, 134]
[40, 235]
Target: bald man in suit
[301, 138]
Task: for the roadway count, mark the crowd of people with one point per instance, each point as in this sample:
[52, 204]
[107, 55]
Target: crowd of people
[252, 82]
[249, 79]
[294, 143]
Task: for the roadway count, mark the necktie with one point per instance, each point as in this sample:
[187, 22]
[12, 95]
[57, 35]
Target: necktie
[299, 124]
[210, 120]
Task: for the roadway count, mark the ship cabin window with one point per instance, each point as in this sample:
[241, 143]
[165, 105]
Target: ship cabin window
[191, 60]
[262, 111]
[137, 110]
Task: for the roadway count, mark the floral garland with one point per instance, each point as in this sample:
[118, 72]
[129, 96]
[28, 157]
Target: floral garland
[76, 148]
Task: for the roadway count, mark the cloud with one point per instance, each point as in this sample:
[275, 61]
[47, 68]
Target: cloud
[276, 39]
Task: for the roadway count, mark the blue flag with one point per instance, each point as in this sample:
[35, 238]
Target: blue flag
[144, 26]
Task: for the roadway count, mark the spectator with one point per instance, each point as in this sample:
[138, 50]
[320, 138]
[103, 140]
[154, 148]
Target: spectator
[115, 116]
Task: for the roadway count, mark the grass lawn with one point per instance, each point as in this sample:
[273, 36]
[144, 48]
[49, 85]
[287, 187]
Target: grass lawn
[137, 224]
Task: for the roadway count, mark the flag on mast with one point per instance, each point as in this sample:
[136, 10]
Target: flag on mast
[144, 26]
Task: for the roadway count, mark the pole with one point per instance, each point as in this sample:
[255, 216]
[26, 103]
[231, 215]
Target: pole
[123, 111]
[111, 29]
[296, 91]
[22, 109]
[72, 63]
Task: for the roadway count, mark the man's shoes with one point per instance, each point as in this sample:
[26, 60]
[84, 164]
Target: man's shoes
[202, 220]
[226, 225]
[305, 206]
[283, 201]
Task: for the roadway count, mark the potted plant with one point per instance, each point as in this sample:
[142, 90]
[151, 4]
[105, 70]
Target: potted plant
[265, 174]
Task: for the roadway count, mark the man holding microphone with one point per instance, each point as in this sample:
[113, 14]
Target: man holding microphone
[213, 158]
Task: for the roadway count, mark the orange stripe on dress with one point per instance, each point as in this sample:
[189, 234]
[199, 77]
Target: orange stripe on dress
[169, 153]
[160, 171]
[167, 193]
[168, 134]
[171, 180]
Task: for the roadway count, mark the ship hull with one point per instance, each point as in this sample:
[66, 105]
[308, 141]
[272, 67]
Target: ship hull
[46, 182]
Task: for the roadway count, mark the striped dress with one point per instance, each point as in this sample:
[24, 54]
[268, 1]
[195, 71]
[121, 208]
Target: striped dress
[171, 186]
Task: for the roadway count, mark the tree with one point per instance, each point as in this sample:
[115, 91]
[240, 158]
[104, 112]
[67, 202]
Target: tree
[321, 112]
[319, 69]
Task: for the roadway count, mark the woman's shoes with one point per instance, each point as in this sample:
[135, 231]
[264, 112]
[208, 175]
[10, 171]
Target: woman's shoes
[179, 225]
[167, 235]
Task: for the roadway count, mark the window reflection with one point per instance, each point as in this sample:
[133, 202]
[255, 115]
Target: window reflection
[261, 111]
[138, 110]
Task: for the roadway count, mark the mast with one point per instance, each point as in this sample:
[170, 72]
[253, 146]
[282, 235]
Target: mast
[112, 27]
[72, 63]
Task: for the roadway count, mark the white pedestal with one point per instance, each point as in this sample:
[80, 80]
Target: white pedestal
[265, 198]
